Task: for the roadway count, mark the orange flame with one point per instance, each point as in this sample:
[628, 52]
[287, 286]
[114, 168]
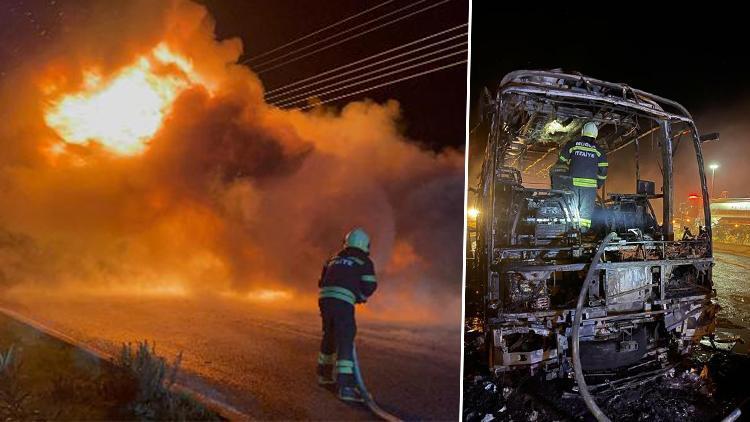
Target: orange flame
[124, 112]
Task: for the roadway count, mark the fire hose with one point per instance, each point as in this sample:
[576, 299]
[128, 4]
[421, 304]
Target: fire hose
[369, 400]
[580, 380]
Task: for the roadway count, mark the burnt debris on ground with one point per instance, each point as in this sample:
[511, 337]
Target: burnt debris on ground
[707, 385]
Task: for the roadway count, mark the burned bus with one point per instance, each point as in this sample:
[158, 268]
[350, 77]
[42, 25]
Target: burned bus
[649, 297]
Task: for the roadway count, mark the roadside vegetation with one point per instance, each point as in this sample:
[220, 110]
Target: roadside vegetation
[42, 378]
[155, 379]
[12, 396]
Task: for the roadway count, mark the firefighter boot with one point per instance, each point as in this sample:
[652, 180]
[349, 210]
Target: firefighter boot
[350, 394]
[325, 369]
[325, 375]
[347, 383]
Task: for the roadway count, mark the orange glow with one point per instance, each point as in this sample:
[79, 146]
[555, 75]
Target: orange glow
[79, 290]
[693, 196]
[146, 290]
[403, 256]
[266, 295]
[124, 112]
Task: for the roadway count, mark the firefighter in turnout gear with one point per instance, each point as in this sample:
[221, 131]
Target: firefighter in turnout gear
[348, 278]
[587, 169]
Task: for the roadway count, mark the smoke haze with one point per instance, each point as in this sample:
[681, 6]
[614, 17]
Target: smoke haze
[229, 194]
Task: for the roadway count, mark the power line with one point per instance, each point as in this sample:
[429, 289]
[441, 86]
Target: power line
[405, 78]
[351, 37]
[367, 58]
[432, 53]
[316, 32]
[314, 90]
[275, 93]
[288, 103]
[330, 37]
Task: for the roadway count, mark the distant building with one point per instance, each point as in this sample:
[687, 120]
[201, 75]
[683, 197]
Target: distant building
[730, 218]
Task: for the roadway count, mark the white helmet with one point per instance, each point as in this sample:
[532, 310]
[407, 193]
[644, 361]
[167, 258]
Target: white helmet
[590, 130]
[358, 238]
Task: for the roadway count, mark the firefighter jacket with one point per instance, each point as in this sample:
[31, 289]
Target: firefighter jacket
[587, 163]
[348, 276]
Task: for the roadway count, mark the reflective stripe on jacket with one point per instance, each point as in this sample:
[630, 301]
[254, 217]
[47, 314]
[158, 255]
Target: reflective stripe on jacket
[348, 276]
[587, 163]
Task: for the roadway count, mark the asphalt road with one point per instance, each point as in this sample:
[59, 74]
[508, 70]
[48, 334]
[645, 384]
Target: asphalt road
[261, 360]
[732, 286]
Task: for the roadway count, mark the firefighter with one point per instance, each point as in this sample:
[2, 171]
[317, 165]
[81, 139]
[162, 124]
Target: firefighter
[587, 169]
[348, 278]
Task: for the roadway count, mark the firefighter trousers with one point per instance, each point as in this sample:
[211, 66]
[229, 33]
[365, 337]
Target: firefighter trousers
[586, 198]
[339, 329]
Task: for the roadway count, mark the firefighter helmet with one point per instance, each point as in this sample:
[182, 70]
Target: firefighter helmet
[590, 130]
[357, 238]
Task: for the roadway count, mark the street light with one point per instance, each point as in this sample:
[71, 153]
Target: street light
[473, 213]
[713, 167]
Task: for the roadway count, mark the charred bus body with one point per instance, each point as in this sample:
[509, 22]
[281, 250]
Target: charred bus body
[652, 297]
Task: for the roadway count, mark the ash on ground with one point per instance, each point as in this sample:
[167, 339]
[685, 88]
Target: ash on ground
[708, 385]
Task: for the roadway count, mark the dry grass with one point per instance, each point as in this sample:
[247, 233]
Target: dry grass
[13, 397]
[155, 399]
[137, 387]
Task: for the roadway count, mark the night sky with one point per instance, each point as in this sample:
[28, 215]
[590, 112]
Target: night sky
[695, 58]
[434, 106]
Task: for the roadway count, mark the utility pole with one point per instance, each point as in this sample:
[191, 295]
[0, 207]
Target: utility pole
[713, 167]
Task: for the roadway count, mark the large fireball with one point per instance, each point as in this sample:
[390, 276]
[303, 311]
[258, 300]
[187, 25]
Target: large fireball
[124, 112]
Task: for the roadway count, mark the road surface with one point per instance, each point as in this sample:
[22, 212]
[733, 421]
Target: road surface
[261, 360]
[733, 292]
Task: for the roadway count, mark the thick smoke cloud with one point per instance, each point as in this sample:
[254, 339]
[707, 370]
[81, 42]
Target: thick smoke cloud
[230, 195]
